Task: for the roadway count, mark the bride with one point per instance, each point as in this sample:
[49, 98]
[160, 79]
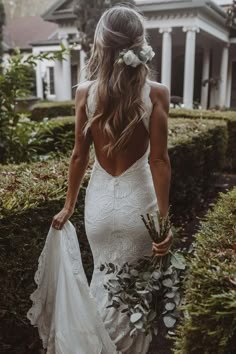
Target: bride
[124, 115]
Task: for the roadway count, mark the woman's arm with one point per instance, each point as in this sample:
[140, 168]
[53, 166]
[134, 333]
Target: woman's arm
[78, 161]
[159, 158]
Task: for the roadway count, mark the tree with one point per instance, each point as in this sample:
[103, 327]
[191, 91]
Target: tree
[88, 13]
[2, 22]
[231, 15]
[16, 82]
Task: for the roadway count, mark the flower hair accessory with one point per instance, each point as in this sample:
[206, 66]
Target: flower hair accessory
[134, 58]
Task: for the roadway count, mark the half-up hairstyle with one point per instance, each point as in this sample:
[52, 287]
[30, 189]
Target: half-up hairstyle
[119, 106]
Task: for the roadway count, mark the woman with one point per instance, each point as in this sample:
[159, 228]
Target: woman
[125, 116]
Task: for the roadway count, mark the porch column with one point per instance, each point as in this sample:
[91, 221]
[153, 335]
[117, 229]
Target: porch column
[223, 76]
[66, 70]
[189, 65]
[39, 81]
[229, 85]
[82, 76]
[166, 59]
[205, 76]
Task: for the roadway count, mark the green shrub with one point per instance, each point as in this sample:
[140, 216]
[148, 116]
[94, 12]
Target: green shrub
[52, 136]
[196, 150]
[208, 325]
[229, 117]
[17, 82]
[31, 193]
[50, 110]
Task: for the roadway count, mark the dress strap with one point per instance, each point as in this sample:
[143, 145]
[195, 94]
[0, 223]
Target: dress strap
[91, 102]
[148, 104]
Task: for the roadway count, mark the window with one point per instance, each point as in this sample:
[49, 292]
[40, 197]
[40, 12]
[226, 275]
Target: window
[51, 81]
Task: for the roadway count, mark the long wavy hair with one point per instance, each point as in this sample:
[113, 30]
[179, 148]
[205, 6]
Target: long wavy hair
[119, 106]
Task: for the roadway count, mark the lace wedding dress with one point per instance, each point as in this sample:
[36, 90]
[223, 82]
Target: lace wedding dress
[72, 317]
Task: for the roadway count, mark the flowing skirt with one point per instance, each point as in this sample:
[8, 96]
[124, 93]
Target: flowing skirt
[72, 317]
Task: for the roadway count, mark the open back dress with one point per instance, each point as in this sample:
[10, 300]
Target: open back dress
[72, 317]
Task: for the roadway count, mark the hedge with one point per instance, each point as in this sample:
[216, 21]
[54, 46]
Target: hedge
[195, 156]
[53, 136]
[42, 110]
[228, 116]
[66, 108]
[30, 194]
[209, 303]
[196, 149]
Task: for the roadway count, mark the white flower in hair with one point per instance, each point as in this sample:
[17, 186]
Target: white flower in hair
[146, 53]
[133, 58]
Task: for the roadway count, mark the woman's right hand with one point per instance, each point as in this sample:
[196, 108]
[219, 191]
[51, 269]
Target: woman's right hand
[162, 248]
[61, 218]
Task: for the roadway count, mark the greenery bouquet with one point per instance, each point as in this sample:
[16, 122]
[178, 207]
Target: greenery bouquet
[147, 290]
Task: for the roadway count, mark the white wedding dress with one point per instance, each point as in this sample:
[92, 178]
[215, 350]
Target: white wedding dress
[72, 317]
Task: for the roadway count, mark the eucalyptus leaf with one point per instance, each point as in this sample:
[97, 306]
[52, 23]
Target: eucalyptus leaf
[134, 272]
[135, 317]
[133, 332]
[170, 295]
[139, 324]
[169, 306]
[146, 275]
[178, 261]
[169, 321]
[152, 316]
[167, 282]
[156, 275]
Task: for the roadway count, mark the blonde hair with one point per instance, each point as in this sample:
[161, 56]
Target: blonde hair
[119, 106]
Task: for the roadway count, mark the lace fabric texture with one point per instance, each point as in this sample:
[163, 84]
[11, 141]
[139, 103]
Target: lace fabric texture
[72, 317]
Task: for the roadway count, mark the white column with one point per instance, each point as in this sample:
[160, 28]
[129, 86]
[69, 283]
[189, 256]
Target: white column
[166, 59]
[223, 76]
[82, 76]
[189, 65]
[229, 85]
[39, 81]
[205, 76]
[66, 70]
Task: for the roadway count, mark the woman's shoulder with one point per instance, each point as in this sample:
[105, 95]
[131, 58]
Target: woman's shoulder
[158, 92]
[82, 91]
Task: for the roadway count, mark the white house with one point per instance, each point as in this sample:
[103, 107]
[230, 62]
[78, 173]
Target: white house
[192, 42]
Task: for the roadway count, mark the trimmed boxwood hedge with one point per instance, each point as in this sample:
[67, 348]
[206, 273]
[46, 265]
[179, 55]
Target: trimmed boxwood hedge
[196, 149]
[30, 194]
[208, 325]
[228, 116]
[42, 110]
[66, 108]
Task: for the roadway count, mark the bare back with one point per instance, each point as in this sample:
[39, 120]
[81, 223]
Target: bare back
[137, 146]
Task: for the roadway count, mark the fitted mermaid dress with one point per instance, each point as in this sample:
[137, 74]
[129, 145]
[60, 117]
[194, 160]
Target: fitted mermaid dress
[71, 316]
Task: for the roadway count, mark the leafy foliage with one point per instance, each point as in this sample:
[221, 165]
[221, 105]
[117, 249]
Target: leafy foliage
[227, 116]
[2, 22]
[49, 110]
[147, 290]
[231, 14]
[16, 82]
[88, 13]
[209, 306]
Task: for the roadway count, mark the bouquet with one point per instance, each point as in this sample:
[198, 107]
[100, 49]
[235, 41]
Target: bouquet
[147, 290]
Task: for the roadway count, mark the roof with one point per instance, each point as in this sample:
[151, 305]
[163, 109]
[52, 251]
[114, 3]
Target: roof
[22, 31]
[60, 10]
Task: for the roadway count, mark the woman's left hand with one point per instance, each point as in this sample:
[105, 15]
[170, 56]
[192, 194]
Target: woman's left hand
[162, 248]
[61, 218]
